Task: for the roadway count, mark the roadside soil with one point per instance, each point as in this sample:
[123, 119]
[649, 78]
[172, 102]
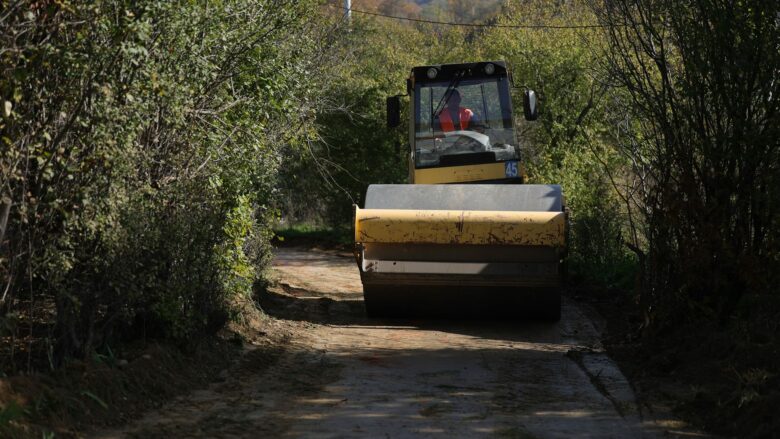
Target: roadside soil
[719, 378]
[331, 372]
[108, 391]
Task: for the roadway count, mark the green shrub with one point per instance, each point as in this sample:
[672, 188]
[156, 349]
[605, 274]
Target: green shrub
[141, 142]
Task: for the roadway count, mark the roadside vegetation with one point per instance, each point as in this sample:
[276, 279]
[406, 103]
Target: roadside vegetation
[149, 149]
[140, 144]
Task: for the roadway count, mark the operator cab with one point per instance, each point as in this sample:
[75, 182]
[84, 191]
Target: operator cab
[461, 127]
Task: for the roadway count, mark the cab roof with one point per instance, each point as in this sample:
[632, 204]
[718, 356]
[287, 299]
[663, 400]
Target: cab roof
[445, 72]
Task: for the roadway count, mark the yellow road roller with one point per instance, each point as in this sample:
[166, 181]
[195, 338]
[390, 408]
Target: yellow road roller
[466, 237]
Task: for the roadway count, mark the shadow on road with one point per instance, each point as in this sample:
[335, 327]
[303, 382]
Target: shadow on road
[301, 305]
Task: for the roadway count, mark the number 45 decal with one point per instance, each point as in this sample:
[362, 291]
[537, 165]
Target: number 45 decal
[510, 168]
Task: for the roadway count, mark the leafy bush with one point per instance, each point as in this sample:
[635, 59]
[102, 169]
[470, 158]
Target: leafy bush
[141, 146]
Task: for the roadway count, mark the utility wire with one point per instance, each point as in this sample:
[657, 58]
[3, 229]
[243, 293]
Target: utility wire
[509, 26]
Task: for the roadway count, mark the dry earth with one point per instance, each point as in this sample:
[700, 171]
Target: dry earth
[339, 374]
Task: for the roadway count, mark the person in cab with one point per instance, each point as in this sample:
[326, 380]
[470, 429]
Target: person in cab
[456, 118]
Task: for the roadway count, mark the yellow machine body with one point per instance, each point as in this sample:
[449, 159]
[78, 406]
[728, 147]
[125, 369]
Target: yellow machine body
[467, 227]
[466, 236]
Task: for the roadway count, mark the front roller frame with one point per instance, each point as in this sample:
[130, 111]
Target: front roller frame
[455, 280]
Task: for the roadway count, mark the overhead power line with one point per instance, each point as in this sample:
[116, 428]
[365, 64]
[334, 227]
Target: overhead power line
[510, 26]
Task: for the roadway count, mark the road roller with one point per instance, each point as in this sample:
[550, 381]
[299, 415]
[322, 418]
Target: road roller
[466, 236]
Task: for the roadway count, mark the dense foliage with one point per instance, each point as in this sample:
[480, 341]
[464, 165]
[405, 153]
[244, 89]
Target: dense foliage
[353, 148]
[703, 123]
[140, 145]
[699, 123]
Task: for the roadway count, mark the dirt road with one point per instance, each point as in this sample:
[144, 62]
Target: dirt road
[338, 374]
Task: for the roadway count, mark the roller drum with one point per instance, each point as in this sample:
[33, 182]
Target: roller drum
[462, 250]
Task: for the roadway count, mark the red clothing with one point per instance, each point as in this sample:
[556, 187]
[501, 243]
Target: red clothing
[446, 120]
